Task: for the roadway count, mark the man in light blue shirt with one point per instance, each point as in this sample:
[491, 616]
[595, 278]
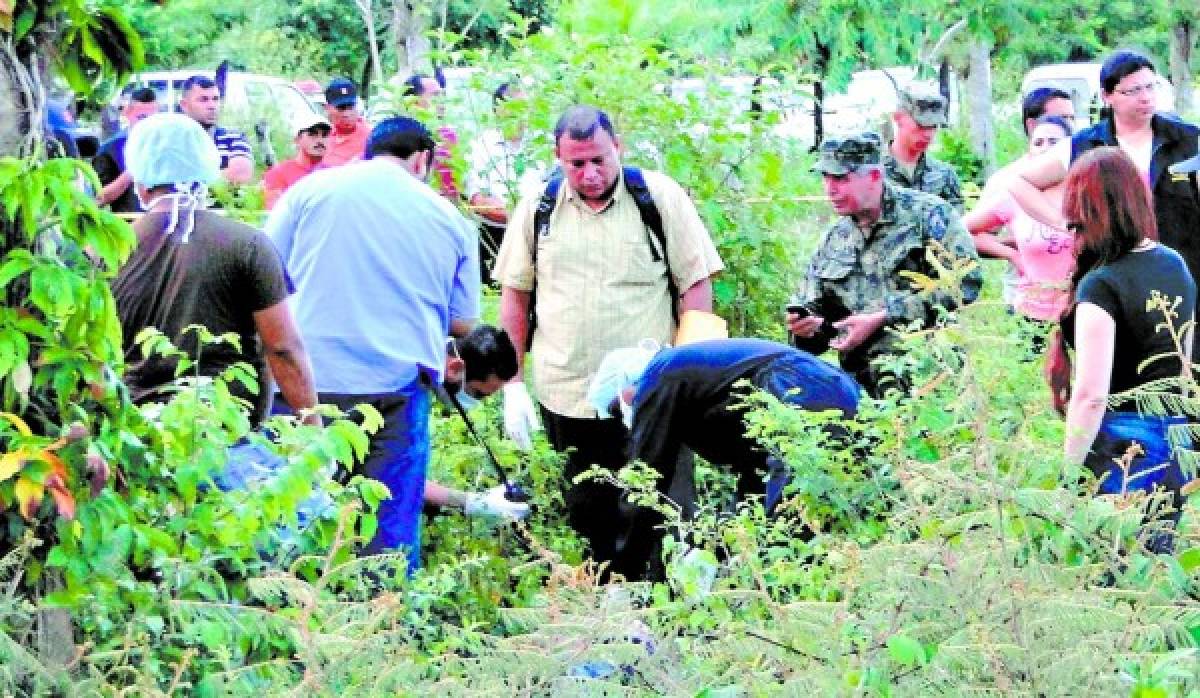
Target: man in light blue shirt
[384, 269]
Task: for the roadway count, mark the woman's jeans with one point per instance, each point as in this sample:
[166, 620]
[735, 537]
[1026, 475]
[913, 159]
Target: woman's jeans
[1154, 468]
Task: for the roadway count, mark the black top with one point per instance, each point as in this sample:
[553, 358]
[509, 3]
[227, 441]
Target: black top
[1122, 289]
[1176, 200]
[687, 396]
[109, 163]
[226, 272]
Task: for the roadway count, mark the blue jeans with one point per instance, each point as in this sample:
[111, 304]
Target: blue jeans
[1156, 468]
[398, 457]
[1118, 431]
[791, 379]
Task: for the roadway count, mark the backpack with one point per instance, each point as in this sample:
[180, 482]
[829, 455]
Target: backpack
[635, 184]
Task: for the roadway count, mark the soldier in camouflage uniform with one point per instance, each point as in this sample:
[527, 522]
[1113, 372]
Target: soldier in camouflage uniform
[921, 112]
[853, 292]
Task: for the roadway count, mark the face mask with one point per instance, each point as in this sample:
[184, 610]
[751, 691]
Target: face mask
[182, 202]
[464, 398]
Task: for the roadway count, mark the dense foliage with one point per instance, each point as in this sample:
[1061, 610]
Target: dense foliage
[946, 552]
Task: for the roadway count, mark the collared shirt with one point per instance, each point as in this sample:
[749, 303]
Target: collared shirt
[347, 147]
[231, 144]
[381, 265]
[930, 175]
[853, 272]
[598, 285]
[279, 178]
[502, 168]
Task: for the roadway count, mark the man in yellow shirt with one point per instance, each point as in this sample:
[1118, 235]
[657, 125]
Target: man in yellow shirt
[595, 277]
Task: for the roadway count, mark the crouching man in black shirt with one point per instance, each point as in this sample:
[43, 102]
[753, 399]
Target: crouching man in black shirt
[685, 396]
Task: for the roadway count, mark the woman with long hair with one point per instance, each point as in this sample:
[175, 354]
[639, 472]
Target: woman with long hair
[1153, 140]
[1122, 341]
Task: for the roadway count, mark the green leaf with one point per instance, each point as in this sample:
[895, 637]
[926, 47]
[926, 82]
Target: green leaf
[1189, 560]
[24, 22]
[906, 651]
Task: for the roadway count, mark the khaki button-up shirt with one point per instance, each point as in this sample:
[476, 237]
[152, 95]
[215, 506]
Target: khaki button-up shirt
[598, 285]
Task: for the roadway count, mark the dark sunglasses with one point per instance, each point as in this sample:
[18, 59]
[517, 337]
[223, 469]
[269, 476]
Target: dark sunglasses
[317, 131]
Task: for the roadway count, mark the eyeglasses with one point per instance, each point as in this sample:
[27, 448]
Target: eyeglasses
[1135, 91]
[316, 131]
[1047, 141]
[345, 107]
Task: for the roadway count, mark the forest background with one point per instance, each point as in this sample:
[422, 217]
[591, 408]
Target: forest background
[954, 554]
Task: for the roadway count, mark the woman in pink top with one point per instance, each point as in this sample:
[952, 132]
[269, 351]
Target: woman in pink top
[1041, 257]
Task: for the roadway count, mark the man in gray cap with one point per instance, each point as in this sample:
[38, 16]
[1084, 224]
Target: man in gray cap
[854, 292]
[920, 113]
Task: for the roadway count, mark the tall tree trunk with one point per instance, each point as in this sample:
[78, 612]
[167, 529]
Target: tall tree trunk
[1183, 41]
[979, 103]
[410, 21]
[20, 101]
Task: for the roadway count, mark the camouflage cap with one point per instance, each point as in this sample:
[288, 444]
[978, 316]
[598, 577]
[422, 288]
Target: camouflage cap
[841, 156]
[924, 103]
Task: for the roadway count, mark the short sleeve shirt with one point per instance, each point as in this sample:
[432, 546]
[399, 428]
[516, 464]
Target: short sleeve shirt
[382, 265]
[231, 144]
[277, 179]
[226, 272]
[109, 163]
[599, 286]
[347, 147]
[1121, 289]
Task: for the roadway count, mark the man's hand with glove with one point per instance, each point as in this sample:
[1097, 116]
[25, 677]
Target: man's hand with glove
[492, 505]
[520, 415]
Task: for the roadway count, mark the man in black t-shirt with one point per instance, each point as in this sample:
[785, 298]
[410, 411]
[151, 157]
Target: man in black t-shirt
[193, 267]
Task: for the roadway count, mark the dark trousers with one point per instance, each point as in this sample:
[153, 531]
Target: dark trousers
[618, 533]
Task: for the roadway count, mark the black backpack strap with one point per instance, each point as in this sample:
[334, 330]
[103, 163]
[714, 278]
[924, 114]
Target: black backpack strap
[635, 184]
[541, 228]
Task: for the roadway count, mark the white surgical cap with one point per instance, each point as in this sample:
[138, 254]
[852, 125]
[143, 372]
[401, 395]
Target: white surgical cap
[171, 149]
[620, 369]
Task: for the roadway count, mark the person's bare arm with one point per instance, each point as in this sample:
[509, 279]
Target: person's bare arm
[1095, 334]
[439, 495]
[698, 297]
[1029, 188]
[240, 170]
[115, 189]
[286, 358]
[490, 208]
[514, 317]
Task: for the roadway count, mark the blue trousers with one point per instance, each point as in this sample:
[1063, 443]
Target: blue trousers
[1157, 468]
[398, 457]
[791, 379]
[1118, 431]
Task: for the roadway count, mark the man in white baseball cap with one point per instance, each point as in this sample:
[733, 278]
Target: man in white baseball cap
[311, 132]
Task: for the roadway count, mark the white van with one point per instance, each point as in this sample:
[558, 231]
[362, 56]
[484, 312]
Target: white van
[1082, 82]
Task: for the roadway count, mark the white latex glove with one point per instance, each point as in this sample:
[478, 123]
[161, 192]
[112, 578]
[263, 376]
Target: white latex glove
[520, 415]
[492, 505]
